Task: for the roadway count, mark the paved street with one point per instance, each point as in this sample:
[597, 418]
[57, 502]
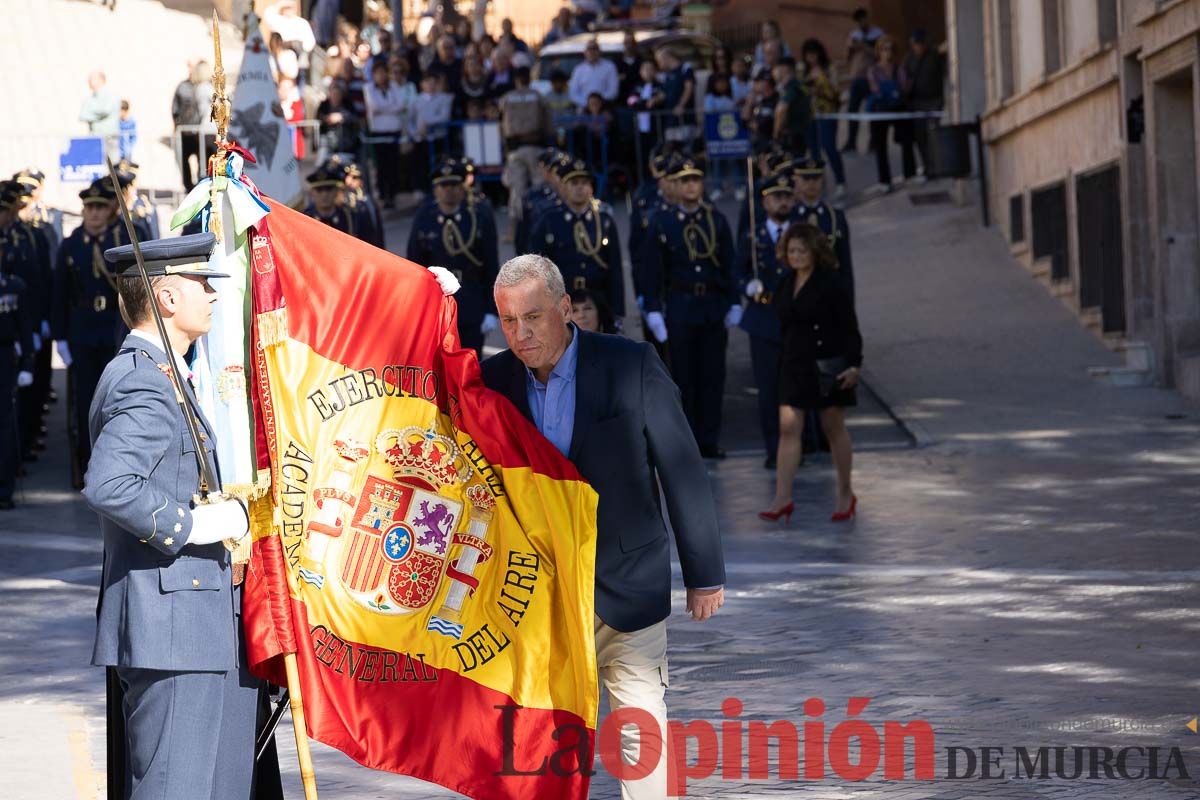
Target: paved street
[1026, 576]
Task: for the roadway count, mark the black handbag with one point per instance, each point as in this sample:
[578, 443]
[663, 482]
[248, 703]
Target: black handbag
[828, 370]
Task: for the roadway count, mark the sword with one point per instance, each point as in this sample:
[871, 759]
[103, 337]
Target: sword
[754, 288]
[268, 732]
[207, 476]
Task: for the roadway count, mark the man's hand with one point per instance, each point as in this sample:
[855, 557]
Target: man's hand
[657, 325]
[24, 379]
[733, 317]
[446, 280]
[703, 603]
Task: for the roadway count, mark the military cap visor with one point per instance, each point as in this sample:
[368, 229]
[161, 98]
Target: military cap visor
[778, 184]
[180, 255]
[688, 169]
[100, 191]
[30, 177]
[809, 166]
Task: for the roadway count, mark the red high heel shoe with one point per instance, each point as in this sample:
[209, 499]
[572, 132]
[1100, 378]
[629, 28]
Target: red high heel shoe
[773, 516]
[848, 514]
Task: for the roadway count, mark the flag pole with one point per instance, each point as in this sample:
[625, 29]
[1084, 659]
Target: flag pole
[307, 776]
[221, 114]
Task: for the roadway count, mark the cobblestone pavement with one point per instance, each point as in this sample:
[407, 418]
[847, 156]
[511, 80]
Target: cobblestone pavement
[1025, 578]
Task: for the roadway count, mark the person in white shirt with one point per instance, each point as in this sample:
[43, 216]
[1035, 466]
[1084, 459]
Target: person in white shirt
[593, 75]
[389, 111]
[284, 18]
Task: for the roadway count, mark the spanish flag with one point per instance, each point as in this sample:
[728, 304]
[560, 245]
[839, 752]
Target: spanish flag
[427, 555]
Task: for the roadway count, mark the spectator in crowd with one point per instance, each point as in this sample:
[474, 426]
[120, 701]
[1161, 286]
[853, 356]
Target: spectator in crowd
[721, 60]
[718, 99]
[559, 104]
[431, 112]
[356, 87]
[524, 123]
[562, 28]
[447, 64]
[628, 65]
[770, 40]
[646, 97]
[102, 111]
[475, 85]
[283, 59]
[889, 84]
[759, 111]
[591, 312]
[740, 83]
[821, 352]
[860, 55]
[340, 126]
[587, 11]
[679, 87]
[772, 51]
[293, 111]
[501, 72]
[389, 110]
[486, 49]
[597, 122]
[821, 86]
[283, 17]
[361, 56]
[129, 133]
[594, 75]
[185, 110]
[381, 53]
[926, 72]
[793, 112]
[508, 37]
[462, 34]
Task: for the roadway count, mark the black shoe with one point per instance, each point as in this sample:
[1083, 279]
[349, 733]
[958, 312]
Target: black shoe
[7, 505]
[769, 463]
[712, 453]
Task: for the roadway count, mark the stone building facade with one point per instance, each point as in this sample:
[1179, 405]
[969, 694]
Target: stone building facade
[1089, 113]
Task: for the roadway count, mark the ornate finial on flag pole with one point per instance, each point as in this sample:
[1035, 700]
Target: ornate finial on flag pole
[220, 115]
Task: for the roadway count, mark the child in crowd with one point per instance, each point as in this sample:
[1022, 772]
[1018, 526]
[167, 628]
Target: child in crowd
[431, 112]
[128, 127]
[740, 83]
[293, 111]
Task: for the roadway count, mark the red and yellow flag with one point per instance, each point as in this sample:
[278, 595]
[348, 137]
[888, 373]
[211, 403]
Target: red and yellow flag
[424, 551]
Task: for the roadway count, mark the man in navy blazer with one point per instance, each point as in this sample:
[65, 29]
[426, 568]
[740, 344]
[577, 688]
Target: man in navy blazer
[609, 405]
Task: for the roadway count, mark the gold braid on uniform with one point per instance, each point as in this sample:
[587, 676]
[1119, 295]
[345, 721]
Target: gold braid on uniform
[584, 243]
[452, 239]
[707, 239]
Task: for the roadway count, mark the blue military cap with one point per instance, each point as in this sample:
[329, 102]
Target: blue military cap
[780, 161]
[30, 177]
[346, 164]
[179, 255]
[575, 168]
[781, 182]
[126, 172]
[809, 165]
[101, 191]
[548, 156]
[328, 174]
[11, 194]
[448, 170]
[688, 166]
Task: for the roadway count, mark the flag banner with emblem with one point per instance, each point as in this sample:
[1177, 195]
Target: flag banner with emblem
[258, 126]
[424, 551]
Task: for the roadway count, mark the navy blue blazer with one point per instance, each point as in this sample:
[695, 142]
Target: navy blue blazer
[629, 436]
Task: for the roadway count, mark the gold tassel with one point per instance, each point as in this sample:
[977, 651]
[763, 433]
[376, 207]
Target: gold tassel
[273, 327]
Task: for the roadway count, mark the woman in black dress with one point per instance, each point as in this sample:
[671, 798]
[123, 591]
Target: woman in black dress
[821, 353]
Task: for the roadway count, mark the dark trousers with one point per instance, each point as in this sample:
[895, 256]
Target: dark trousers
[859, 90]
[87, 364]
[387, 170]
[29, 417]
[764, 360]
[822, 137]
[189, 147]
[922, 130]
[879, 143]
[9, 450]
[698, 367]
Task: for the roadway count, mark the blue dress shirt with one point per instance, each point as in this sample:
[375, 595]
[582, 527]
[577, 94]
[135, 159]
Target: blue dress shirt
[552, 403]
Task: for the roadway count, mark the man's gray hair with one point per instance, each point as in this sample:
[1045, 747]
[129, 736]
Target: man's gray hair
[522, 268]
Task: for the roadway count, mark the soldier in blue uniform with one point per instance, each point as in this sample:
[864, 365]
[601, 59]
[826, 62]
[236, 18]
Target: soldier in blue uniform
[581, 238]
[26, 254]
[46, 225]
[459, 235]
[812, 208]
[650, 197]
[541, 194]
[37, 213]
[770, 164]
[367, 220]
[760, 272]
[325, 184]
[16, 365]
[168, 617]
[145, 215]
[84, 317]
[688, 249]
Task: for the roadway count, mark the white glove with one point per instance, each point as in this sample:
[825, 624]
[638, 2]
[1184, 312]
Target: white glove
[657, 325]
[17, 350]
[46, 330]
[24, 378]
[754, 288]
[215, 522]
[446, 280]
[37, 343]
[733, 316]
[64, 352]
[490, 323]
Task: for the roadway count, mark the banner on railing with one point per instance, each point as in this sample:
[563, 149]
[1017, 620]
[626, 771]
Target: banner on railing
[725, 135]
[83, 161]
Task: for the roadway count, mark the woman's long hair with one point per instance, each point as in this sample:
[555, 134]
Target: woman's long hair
[814, 239]
[814, 46]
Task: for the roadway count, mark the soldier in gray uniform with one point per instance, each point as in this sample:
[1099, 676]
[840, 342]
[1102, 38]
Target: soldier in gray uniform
[169, 613]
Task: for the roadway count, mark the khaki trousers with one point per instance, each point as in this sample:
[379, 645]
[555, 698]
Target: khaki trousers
[633, 670]
[520, 173]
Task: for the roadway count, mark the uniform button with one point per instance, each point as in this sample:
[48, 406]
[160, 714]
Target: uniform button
[195, 583]
[818, 342]
[697, 269]
[816, 327]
